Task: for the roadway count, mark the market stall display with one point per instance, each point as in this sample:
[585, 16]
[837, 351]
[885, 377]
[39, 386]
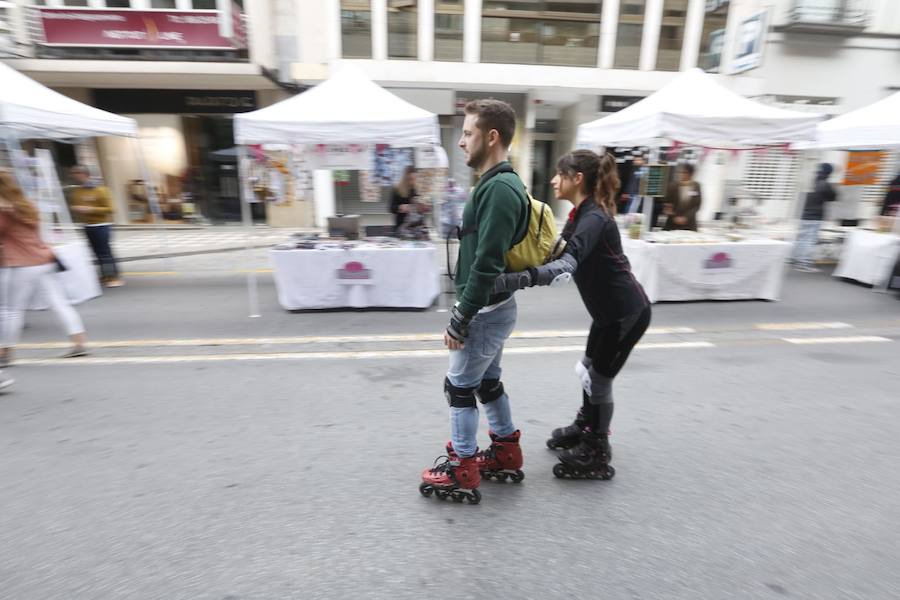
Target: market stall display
[868, 257]
[687, 265]
[385, 273]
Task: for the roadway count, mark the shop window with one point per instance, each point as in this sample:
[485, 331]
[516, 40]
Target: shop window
[403, 22]
[715, 19]
[75, 2]
[448, 30]
[671, 35]
[162, 3]
[540, 32]
[629, 34]
[118, 3]
[356, 28]
[204, 4]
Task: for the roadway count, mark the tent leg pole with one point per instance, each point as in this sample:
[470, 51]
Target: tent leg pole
[162, 236]
[245, 192]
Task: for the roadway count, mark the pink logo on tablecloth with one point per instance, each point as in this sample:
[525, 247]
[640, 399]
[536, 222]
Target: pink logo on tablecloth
[354, 270]
[719, 260]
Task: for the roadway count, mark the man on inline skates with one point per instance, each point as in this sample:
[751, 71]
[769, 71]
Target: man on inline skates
[494, 219]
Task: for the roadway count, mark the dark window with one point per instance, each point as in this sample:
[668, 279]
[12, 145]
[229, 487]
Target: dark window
[540, 32]
[356, 29]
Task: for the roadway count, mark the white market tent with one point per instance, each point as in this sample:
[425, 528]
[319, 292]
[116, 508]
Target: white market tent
[876, 126]
[30, 110]
[349, 108]
[694, 109]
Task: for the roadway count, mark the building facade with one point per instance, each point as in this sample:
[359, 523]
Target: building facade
[559, 63]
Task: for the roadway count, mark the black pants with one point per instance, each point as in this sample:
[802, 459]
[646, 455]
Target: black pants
[608, 347]
[99, 237]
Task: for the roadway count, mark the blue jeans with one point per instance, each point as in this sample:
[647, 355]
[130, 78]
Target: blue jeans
[807, 237]
[480, 359]
[99, 237]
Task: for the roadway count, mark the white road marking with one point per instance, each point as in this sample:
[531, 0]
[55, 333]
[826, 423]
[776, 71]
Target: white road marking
[850, 339]
[324, 339]
[802, 326]
[345, 355]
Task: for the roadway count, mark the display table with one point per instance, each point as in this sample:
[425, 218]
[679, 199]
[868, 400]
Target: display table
[868, 256]
[79, 280]
[360, 277]
[751, 269]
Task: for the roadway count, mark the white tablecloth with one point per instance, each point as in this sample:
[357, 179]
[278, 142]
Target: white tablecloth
[79, 280]
[751, 269]
[868, 257]
[356, 278]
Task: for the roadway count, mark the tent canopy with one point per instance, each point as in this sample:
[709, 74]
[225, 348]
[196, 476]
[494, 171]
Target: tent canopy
[870, 127]
[694, 109]
[349, 108]
[30, 110]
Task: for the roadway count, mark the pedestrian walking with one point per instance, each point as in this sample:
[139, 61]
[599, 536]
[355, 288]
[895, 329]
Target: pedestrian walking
[619, 308]
[92, 206]
[27, 264]
[811, 219]
[683, 201]
[495, 218]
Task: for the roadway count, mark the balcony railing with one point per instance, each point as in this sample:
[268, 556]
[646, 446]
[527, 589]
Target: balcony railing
[842, 17]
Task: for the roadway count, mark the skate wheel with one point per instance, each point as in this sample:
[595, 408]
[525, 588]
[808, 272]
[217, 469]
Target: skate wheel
[474, 497]
[426, 490]
[441, 494]
[458, 496]
[517, 477]
[610, 473]
[559, 471]
[552, 444]
[502, 477]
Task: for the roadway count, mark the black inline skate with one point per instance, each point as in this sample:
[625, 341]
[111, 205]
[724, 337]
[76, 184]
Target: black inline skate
[588, 460]
[563, 438]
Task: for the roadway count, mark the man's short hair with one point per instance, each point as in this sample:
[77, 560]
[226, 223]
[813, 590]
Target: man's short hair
[494, 114]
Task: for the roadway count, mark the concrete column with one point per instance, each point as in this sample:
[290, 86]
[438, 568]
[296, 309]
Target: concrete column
[650, 41]
[379, 30]
[693, 34]
[526, 144]
[472, 31]
[333, 30]
[426, 30]
[609, 26]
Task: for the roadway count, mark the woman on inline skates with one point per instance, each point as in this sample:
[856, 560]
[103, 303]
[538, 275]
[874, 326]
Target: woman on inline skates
[615, 300]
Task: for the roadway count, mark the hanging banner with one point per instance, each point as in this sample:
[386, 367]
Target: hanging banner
[431, 157]
[350, 157]
[751, 40]
[381, 166]
[863, 167]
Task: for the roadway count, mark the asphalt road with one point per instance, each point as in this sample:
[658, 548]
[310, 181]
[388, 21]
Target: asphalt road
[752, 462]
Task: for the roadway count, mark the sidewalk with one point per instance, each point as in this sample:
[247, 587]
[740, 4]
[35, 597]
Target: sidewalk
[131, 244]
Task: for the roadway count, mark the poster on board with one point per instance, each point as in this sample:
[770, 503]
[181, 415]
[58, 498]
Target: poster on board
[751, 40]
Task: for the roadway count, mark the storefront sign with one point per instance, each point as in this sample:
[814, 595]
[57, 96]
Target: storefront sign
[175, 101]
[610, 104]
[863, 167]
[137, 28]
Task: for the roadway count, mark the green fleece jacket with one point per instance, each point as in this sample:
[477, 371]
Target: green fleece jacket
[494, 220]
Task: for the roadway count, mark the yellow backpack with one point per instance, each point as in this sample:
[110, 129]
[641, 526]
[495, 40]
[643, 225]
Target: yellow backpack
[537, 245]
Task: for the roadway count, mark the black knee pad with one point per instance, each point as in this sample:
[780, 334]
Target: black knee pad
[459, 397]
[490, 390]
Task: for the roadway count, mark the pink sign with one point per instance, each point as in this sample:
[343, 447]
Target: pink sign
[137, 28]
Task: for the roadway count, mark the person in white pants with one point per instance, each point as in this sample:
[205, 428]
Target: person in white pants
[27, 265]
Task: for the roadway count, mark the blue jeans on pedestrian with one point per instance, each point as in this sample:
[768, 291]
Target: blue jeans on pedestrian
[478, 360]
[805, 245]
[99, 237]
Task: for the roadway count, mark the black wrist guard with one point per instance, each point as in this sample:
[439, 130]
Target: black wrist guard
[458, 328]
